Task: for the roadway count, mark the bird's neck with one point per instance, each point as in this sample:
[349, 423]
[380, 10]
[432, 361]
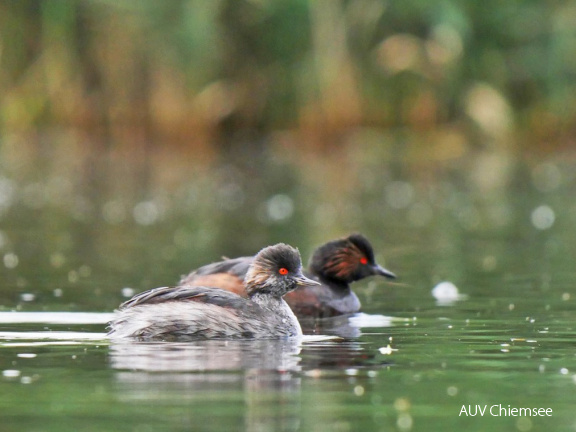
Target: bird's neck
[281, 311]
[268, 301]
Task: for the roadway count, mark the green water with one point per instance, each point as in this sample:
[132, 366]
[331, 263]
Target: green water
[79, 235]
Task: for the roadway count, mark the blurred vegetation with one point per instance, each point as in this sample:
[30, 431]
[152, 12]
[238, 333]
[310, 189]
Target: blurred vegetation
[142, 138]
[207, 73]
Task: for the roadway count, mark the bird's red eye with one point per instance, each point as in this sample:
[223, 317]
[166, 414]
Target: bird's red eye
[283, 271]
[364, 260]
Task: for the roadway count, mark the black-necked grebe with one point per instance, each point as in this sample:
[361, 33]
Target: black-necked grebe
[335, 265]
[198, 312]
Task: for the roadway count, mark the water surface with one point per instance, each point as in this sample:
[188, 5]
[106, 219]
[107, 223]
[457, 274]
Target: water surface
[75, 243]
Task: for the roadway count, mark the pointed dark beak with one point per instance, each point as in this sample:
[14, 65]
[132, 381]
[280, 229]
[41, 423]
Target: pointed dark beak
[377, 270]
[302, 280]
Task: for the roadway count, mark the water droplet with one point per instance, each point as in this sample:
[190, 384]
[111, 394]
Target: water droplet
[10, 260]
[543, 217]
[489, 108]
[127, 292]
[447, 45]
[73, 276]
[27, 297]
[57, 260]
[358, 390]
[279, 207]
[402, 404]
[404, 421]
[146, 213]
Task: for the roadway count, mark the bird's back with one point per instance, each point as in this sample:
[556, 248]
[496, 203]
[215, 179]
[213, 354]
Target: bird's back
[228, 274]
[190, 313]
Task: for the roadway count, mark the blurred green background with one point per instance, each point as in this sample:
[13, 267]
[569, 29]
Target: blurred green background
[140, 139]
[196, 73]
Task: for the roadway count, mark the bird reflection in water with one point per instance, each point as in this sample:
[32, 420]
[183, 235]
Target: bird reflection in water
[206, 355]
[268, 373]
[265, 371]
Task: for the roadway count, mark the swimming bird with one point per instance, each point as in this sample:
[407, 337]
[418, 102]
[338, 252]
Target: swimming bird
[335, 265]
[198, 312]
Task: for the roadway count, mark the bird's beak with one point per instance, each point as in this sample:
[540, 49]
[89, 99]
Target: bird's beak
[302, 280]
[377, 270]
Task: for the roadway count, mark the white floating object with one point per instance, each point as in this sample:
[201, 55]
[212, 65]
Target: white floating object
[26, 355]
[363, 320]
[127, 292]
[387, 350]
[27, 297]
[446, 294]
